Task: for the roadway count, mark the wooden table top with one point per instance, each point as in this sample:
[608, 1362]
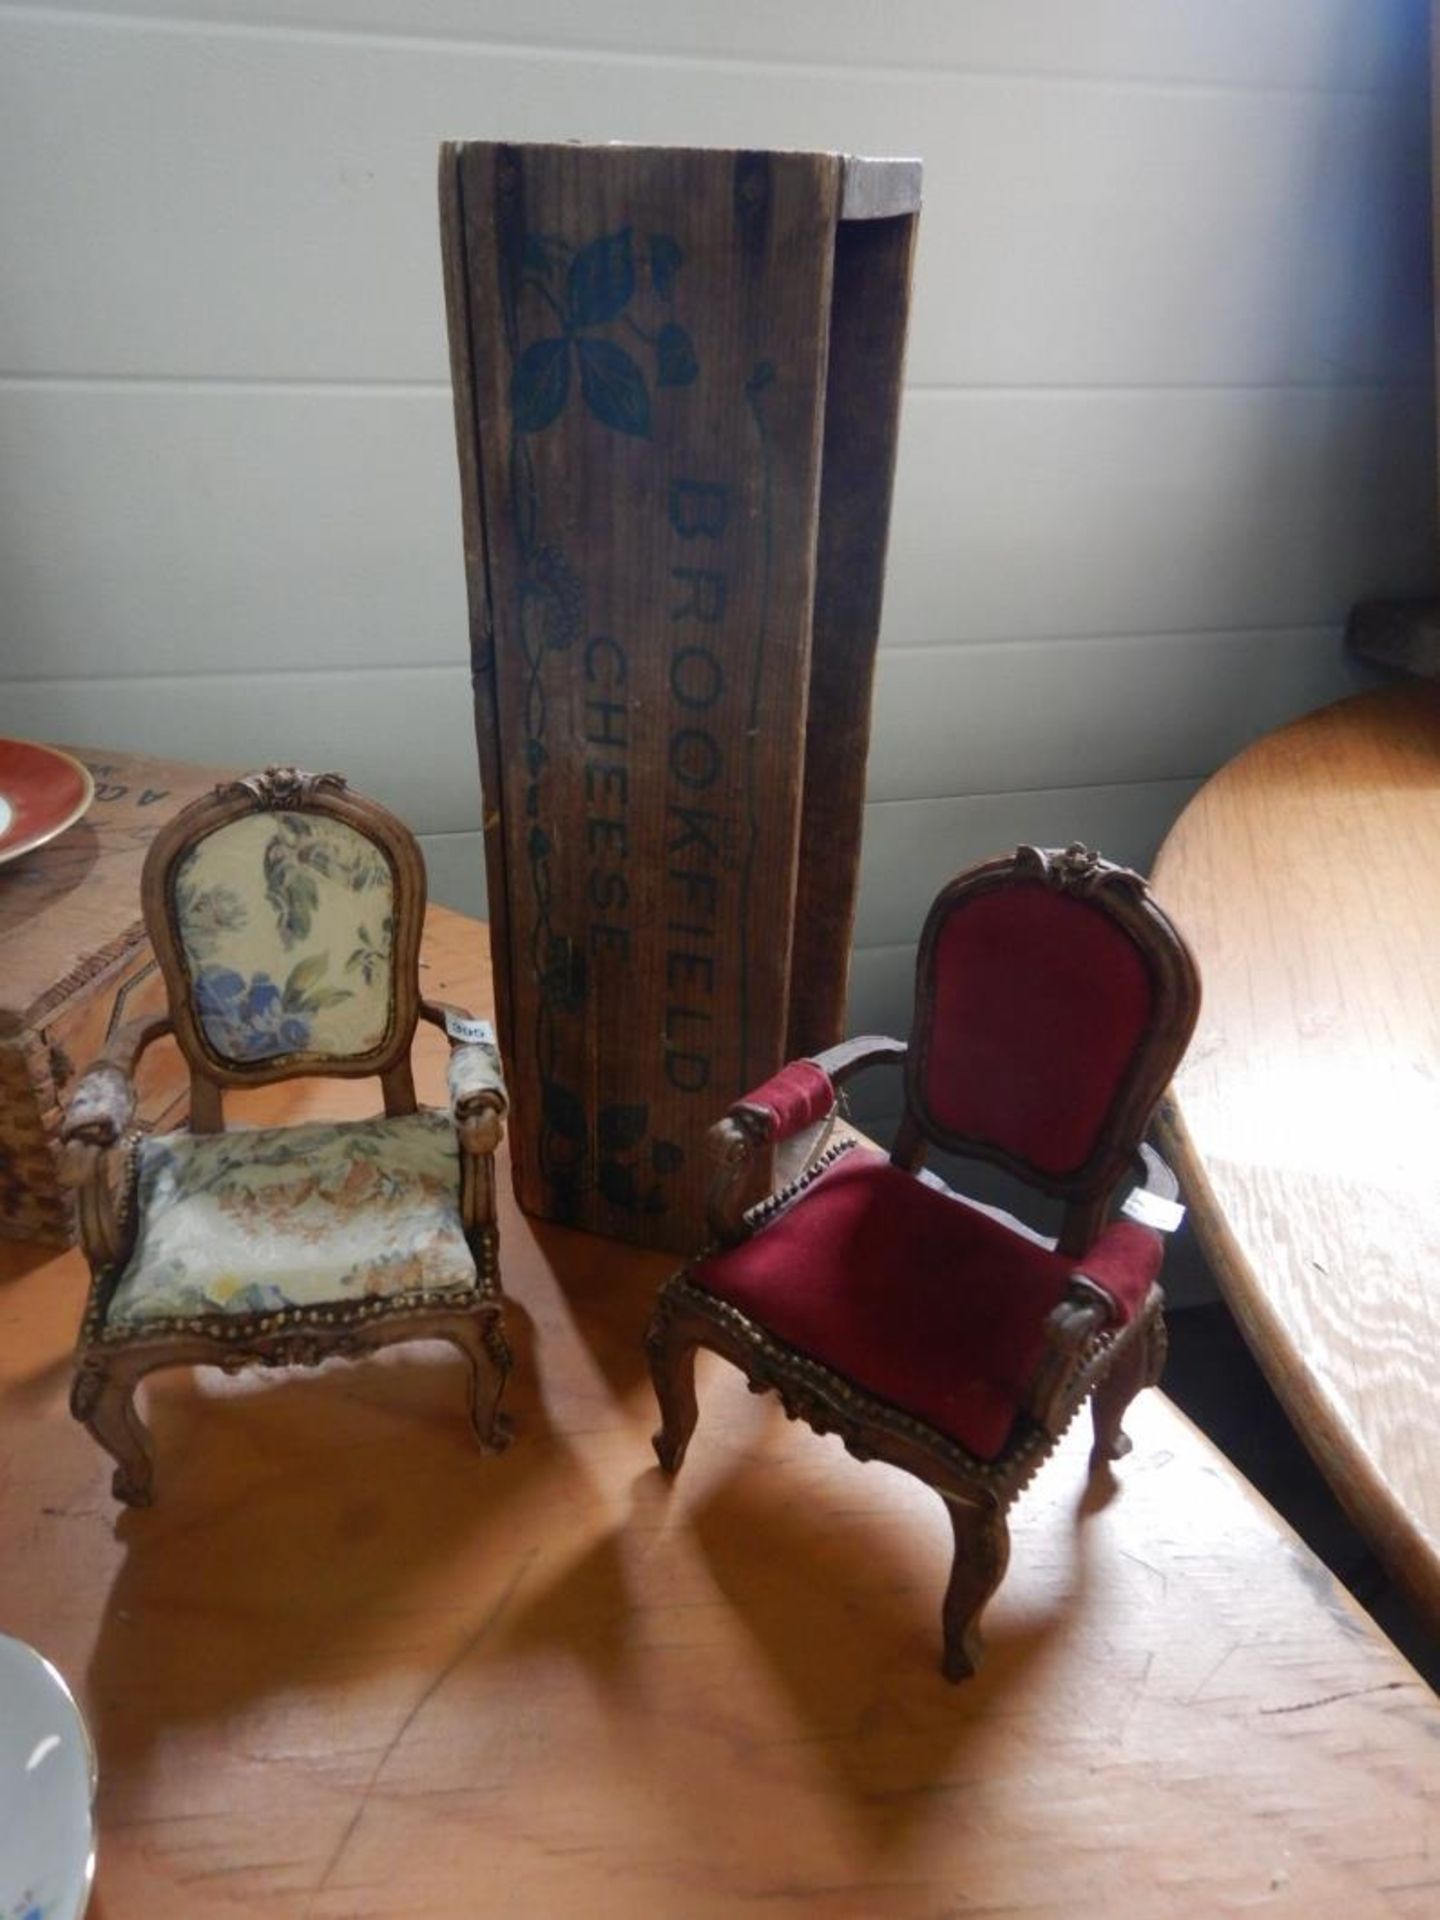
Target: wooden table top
[347, 1666]
[1305, 1121]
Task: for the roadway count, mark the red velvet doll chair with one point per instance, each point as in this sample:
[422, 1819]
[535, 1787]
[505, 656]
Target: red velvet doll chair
[1054, 1000]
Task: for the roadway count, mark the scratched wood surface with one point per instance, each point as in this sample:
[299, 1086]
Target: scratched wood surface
[348, 1667]
[1306, 875]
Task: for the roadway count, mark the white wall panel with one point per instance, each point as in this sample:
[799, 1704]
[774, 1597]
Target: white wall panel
[1046, 713]
[261, 205]
[1169, 410]
[1334, 44]
[1022, 515]
[404, 736]
[455, 865]
[160, 529]
[912, 847]
[188, 528]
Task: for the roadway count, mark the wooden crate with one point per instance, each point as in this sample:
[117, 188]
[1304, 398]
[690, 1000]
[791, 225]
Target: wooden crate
[75, 964]
[677, 379]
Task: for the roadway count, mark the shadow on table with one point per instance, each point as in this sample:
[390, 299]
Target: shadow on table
[828, 1594]
[606, 1294]
[308, 1530]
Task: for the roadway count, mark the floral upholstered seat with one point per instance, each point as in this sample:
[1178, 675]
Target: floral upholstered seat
[254, 1222]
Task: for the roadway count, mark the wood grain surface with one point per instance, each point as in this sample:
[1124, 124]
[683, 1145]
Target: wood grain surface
[348, 1667]
[641, 337]
[1305, 1120]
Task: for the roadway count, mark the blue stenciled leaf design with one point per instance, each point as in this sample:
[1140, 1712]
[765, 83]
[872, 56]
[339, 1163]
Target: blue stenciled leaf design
[614, 387]
[675, 362]
[542, 252]
[665, 259]
[541, 383]
[617, 1182]
[601, 280]
[561, 1110]
[619, 1128]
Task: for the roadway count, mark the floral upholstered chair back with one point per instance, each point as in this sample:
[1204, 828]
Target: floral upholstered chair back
[286, 913]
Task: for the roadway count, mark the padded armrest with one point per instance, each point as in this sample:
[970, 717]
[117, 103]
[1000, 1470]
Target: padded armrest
[100, 1108]
[477, 1097]
[798, 1096]
[1124, 1261]
[476, 1081]
[102, 1104]
[802, 1094]
[1123, 1265]
[1110, 1284]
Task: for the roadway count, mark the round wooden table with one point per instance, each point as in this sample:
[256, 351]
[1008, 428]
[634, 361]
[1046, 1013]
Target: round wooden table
[1305, 1122]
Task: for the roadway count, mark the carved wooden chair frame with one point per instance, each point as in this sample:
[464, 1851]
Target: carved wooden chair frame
[100, 1154]
[1084, 1356]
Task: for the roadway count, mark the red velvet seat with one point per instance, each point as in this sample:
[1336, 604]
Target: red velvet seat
[915, 1296]
[1053, 1000]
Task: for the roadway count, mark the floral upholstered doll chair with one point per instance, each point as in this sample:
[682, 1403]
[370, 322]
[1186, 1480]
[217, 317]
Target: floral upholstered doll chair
[286, 912]
[1054, 1000]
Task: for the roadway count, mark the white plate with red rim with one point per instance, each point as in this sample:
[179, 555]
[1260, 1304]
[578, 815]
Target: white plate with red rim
[47, 1791]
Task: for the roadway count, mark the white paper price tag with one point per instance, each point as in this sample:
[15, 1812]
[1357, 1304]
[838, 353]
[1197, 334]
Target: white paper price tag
[470, 1032]
[1154, 1210]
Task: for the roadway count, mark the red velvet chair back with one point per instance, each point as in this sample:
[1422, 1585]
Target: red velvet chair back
[1054, 1000]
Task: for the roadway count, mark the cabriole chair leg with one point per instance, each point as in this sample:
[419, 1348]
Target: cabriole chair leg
[671, 1349]
[488, 1352]
[105, 1404]
[982, 1553]
[1138, 1366]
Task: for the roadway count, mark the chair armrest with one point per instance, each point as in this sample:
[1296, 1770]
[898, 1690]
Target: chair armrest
[100, 1108]
[803, 1092]
[1111, 1283]
[849, 1057]
[102, 1104]
[800, 1098]
[478, 1100]
[478, 1103]
[98, 1114]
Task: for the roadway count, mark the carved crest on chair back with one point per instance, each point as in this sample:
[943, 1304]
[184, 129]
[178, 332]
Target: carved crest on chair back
[1077, 869]
[285, 786]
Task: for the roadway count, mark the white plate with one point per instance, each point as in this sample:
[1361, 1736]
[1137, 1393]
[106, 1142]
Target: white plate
[47, 1791]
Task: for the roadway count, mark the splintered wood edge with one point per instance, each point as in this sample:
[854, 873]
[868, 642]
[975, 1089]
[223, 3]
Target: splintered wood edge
[879, 189]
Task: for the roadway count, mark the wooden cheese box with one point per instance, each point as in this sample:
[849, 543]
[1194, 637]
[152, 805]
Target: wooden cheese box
[677, 380]
[74, 965]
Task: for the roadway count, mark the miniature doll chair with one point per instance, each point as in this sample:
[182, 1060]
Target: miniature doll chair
[1053, 1002]
[285, 912]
